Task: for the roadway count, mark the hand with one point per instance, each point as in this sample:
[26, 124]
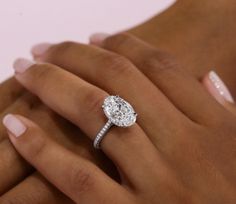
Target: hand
[181, 150]
[19, 182]
[199, 33]
[193, 56]
[12, 167]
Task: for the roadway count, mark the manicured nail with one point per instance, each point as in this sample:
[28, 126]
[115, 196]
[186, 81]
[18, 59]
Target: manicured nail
[220, 86]
[98, 38]
[21, 65]
[14, 125]
[40, 49]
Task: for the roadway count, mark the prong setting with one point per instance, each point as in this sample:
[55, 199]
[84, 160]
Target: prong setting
[119, 112]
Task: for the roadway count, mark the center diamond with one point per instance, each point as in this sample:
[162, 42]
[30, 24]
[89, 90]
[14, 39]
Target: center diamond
[119, 111]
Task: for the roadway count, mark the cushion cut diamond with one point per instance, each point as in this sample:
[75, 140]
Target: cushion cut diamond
[119, 111]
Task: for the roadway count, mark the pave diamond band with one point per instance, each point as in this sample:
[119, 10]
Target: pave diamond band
[101, 134]
[119, 113]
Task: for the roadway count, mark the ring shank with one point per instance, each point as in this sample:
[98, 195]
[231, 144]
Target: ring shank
[101, 134]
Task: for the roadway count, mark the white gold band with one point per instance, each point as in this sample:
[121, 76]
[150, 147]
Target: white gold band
[119, 113]
[101, 134]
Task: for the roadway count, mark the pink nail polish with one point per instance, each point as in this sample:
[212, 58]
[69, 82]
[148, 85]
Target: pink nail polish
[40, 49]
[14, 125]
[98, 38]
[21, 65]
[220, 86]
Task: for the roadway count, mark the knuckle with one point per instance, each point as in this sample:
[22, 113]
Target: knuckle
[61, 48]
[43, 71]
[64, 46]
[158, 62]
[117, 65]
[80, 180]
[94, 99]
[43, 75]
[36, 145]
[117, 41]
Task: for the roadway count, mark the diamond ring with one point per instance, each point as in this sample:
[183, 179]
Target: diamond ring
[119, 113]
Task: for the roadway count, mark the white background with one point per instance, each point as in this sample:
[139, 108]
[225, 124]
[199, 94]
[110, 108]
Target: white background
[24, 23]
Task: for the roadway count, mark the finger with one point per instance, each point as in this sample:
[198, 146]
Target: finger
[217, 88]
[34, 189]
[10, 90]
[78, 178]
[161, 69]
[14, 169]
[117, 75]
[81, 103]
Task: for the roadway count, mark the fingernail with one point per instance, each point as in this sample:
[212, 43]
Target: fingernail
[220, 86]
[21, 65]
[14, 125]
[39, 49]
[98, 38]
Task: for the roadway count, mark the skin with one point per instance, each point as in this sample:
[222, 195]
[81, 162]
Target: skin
[165, 172]
[62, 131]
[11, 90]
[181, 31]
[200, 34]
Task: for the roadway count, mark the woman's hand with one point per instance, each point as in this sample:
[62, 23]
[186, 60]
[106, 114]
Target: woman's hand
[20, 183]
[174, 40]
[176, 153]
[187, 35]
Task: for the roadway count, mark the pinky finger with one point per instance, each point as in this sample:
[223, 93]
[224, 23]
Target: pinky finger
[217, 88]
[79, 179]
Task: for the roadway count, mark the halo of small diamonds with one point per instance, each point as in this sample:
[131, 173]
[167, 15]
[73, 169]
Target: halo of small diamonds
[119, 111]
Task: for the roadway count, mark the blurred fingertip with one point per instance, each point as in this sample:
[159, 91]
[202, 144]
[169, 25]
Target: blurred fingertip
[40, 49]
[98, 38]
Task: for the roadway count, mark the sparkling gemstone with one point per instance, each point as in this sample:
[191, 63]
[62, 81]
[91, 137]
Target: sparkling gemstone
[119, 111]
